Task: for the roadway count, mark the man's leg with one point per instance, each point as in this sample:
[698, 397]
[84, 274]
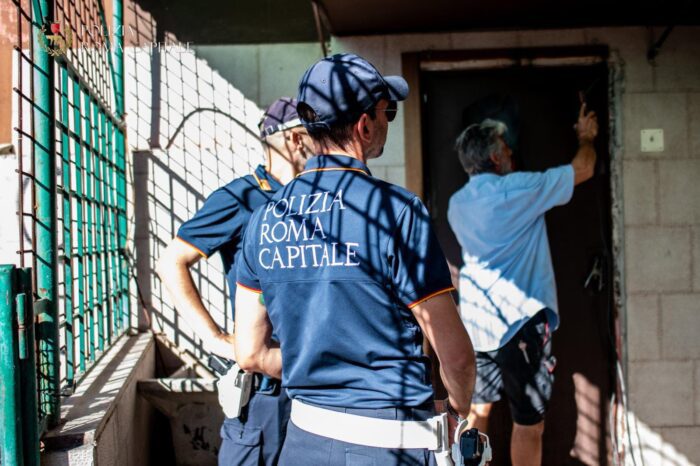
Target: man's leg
[487, 390]
[526, 366]
[526, 444]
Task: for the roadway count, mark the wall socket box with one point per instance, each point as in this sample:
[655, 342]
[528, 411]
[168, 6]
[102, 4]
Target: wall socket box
[652, 140]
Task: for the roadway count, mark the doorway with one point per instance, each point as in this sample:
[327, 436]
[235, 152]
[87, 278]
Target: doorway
[547, 101]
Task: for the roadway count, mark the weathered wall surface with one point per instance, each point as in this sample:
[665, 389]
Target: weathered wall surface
[182, 151]
[106, 422]
[661, 202]
[8, 208]
[126, 439]
[662, 236]
[262, 72]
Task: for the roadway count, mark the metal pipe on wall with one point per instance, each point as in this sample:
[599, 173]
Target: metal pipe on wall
[118, 76]
[45, 211]
[124, 301]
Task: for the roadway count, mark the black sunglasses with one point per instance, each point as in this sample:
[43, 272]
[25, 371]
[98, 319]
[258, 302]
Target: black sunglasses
[391, 110]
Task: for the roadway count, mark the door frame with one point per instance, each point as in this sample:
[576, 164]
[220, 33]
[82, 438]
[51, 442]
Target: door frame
[414, 63]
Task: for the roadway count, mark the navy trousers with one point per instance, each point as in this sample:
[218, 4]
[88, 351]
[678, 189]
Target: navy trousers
[256, 437]
[305, 449]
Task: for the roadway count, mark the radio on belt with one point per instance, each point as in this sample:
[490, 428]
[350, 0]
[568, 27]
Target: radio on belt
[233, 387]
[471, 447]
[218, 364]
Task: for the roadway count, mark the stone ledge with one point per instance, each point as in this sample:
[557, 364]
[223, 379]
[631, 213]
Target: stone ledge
[86, 412]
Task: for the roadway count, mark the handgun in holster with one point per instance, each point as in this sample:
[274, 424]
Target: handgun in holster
[233, 386]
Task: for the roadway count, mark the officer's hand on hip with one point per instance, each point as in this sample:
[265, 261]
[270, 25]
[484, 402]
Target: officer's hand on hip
[222, 345]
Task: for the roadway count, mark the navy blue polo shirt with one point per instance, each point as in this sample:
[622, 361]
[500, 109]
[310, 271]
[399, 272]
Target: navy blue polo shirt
[342, 257]
[218, 226]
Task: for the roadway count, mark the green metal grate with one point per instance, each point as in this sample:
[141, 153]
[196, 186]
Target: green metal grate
[70, 138]
[93, 212]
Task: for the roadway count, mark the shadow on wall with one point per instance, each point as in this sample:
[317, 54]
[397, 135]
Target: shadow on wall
[190, 131]
[647, 447]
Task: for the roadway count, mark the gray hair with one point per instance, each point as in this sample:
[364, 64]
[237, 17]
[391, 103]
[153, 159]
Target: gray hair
[476, 144]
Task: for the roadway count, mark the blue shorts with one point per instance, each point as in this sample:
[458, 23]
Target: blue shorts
[305, 449]
[255, 438]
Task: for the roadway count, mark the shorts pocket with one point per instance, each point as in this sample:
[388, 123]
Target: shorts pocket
[241, 445]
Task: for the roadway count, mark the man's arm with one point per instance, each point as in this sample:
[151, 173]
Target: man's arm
[254, 347]
[174, 271]
[442, 326]
[584, 160]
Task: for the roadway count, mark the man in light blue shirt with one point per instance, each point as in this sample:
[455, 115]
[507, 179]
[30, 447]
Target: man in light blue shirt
[508, 295]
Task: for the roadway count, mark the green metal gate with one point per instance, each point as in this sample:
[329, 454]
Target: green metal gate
[70, 140]
[20, 425]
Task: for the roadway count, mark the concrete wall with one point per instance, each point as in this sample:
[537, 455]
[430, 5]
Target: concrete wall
[106, 422]
[660, 228]
[8, 208]
[127, 436]
[662, 234]
[164, 85]
[262, 72]
[9, 19]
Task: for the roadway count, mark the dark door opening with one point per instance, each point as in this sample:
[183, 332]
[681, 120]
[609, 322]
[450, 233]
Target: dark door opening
[576, 427]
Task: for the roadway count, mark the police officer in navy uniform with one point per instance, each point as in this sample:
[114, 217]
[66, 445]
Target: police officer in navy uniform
[353, 278]
[254, 438]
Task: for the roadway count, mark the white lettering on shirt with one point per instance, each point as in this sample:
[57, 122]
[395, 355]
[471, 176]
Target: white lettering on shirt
[299, 220]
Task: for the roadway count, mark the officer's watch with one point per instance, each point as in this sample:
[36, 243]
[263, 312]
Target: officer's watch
[451, 411]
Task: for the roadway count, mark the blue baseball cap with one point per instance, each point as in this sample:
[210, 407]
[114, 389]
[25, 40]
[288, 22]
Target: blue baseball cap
[340, 88]
[279, 116]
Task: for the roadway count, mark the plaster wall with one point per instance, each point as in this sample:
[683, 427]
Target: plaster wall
[8, 208]
[261, 72]
[106, 422]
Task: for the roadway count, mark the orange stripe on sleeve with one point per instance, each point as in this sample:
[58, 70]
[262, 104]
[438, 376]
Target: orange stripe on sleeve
[193, 247]
[254, 290]
[431, 295]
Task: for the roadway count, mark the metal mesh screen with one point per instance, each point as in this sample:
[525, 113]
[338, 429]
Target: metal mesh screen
[87, 146]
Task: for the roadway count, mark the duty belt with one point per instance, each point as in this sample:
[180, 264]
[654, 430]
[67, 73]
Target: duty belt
[431, 434]
[265, 385]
